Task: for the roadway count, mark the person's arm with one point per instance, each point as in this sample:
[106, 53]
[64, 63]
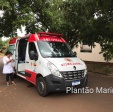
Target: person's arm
[5, 61]
[9, 61]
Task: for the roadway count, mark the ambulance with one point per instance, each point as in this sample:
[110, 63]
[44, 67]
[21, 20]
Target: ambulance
[47, 61]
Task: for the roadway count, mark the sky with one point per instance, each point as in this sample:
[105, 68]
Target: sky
[1, 13]
[20, 32]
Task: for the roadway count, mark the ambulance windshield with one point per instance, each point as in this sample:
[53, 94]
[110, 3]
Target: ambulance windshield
[55, 49]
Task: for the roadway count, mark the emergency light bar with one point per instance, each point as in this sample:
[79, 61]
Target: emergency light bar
[51, 34]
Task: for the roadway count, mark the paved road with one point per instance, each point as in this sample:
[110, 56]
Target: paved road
[21, 98]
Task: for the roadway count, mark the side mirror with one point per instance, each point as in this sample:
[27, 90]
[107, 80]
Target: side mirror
[33, 55]
[75, 54]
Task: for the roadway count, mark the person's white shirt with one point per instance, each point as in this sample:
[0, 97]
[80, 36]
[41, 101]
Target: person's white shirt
[7, 68]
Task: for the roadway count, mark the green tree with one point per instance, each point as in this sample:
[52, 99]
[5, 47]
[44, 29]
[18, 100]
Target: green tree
[1, 44]
[88, 21]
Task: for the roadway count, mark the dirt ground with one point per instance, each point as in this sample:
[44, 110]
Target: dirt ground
[21, 98]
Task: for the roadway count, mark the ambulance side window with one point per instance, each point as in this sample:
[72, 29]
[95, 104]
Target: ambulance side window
[32, 48]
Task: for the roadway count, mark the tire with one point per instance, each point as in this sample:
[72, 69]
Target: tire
[42, 87]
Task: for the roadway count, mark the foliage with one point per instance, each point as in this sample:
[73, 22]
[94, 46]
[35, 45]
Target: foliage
[107, 70]
[88, 21]
[1, 44]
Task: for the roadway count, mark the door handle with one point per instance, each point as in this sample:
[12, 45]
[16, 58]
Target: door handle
[27, 62]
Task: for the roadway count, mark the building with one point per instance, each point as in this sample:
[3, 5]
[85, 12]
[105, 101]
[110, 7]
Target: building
[87, 54]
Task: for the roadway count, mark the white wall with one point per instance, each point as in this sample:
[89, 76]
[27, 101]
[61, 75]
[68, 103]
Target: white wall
[93, 56]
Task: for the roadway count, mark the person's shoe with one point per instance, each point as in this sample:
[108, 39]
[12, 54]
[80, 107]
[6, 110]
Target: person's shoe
[14, 83]
[7, 84]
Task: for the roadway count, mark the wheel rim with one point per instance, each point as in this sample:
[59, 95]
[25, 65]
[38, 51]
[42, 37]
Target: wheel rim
[41, 87]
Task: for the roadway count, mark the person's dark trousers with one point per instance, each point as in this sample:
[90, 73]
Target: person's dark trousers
[9, 76]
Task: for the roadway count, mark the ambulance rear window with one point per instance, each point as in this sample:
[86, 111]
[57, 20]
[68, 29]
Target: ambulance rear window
[11, 48]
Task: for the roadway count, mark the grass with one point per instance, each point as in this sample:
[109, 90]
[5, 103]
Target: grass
[100, 68]
[107, 70]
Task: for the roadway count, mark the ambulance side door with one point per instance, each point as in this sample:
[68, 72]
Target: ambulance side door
[16, 57]
[31, 62]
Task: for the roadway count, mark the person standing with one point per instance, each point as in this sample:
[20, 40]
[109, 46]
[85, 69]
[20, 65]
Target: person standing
[7, 68]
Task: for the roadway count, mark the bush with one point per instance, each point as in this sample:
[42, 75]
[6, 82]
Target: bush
[107, 70]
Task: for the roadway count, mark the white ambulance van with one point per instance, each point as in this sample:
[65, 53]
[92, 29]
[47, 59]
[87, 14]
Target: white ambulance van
[46, 60]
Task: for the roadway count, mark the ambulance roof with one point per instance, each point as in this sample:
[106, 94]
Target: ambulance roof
[41, 36]
[13, 41]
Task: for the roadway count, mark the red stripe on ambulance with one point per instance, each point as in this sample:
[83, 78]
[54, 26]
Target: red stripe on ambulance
[32, 78]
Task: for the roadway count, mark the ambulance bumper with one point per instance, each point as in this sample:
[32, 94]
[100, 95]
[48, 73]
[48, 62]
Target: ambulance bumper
[59, 84]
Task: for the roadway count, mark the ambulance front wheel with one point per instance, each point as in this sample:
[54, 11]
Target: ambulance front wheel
[42, 87]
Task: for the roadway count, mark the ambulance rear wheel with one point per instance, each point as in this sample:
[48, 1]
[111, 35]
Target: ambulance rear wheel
[42, 87]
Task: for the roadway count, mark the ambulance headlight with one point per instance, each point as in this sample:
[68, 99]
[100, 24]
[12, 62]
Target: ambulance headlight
[54, 69]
